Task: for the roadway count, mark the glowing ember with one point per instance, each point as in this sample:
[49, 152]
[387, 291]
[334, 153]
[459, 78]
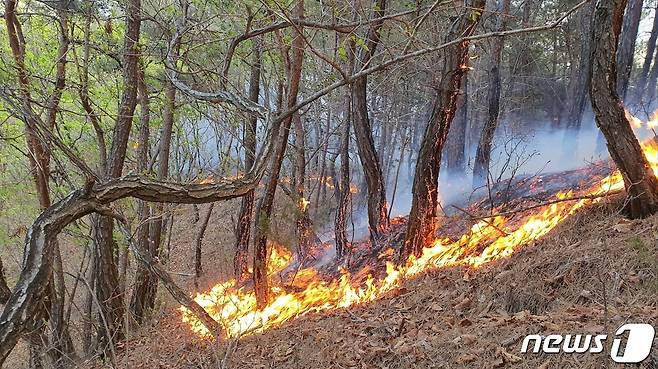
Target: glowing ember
[303, 204]
[488, 240]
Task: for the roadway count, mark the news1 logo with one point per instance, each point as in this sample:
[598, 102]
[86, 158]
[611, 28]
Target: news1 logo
[633, 349]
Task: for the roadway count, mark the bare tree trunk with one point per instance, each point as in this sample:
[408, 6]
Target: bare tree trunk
[648, 58]
[422, 218]
[456, 145]
[377, 207]
[342, 188]
[577, 100]
[143, 276]
[626, 50]
[243, 235]
[39, 159]
[264, 210]
[107, 279]
[5, 292]
[198, 267]
[144, 292]
[483, 153]
[624, 148]
[303, 225]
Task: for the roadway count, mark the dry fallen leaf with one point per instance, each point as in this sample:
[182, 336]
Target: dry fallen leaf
[466, 358]
[468, 338]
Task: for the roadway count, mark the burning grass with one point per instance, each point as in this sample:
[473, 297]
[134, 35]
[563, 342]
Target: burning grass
[489, 239]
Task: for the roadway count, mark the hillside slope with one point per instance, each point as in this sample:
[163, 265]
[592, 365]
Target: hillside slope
[593, 273]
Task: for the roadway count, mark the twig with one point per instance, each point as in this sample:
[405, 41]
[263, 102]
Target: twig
[556, 201]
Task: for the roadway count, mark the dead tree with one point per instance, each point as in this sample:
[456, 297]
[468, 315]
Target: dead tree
[483, 153]
[422, 218]
[625, 150]
[626, 47]
[264, 209]
[243, 233]
[377, 208]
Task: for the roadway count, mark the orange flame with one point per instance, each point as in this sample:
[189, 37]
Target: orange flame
[235, 308]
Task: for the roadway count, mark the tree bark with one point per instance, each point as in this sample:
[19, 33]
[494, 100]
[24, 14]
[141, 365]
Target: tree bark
[377, 208]
[249, 137]
[107, 277]
[640, 182]
[580, 85]
[303, 225]
[456, 146]
[198, 267]
[422, 218]
[138, 302]
[483, 154]
[626, 50]
[5, 292]
[264, 210]
[150, 285]
[342, 188]
[648, 58]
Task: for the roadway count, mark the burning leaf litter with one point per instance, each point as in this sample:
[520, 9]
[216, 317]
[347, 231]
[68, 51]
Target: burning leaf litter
[235, 307]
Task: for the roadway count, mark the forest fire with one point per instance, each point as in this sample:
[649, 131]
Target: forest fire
[488, 240]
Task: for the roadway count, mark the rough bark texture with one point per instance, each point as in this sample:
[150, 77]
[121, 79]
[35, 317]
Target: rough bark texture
[422, 218]
[483, 153]
[107, 284]
[631, 24]
[377, 208]
[624, 148]
[456, 146]
[243, 235]
[22, 308]
[143, 277]
[342, 187]
[264, 210]
[5, 292]
[303, 225]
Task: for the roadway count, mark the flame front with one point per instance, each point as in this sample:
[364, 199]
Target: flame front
[235, 308]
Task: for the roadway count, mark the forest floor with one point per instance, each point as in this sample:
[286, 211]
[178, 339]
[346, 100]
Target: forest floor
[593, 273]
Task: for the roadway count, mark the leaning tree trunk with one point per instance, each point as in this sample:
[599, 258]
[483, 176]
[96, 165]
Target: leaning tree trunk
[377, 208]
[483, 154]
[39, 163]
[243, 234]
[422, 218]
[264, 210]
[631, 25]
[624, 148]
[648, 58]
